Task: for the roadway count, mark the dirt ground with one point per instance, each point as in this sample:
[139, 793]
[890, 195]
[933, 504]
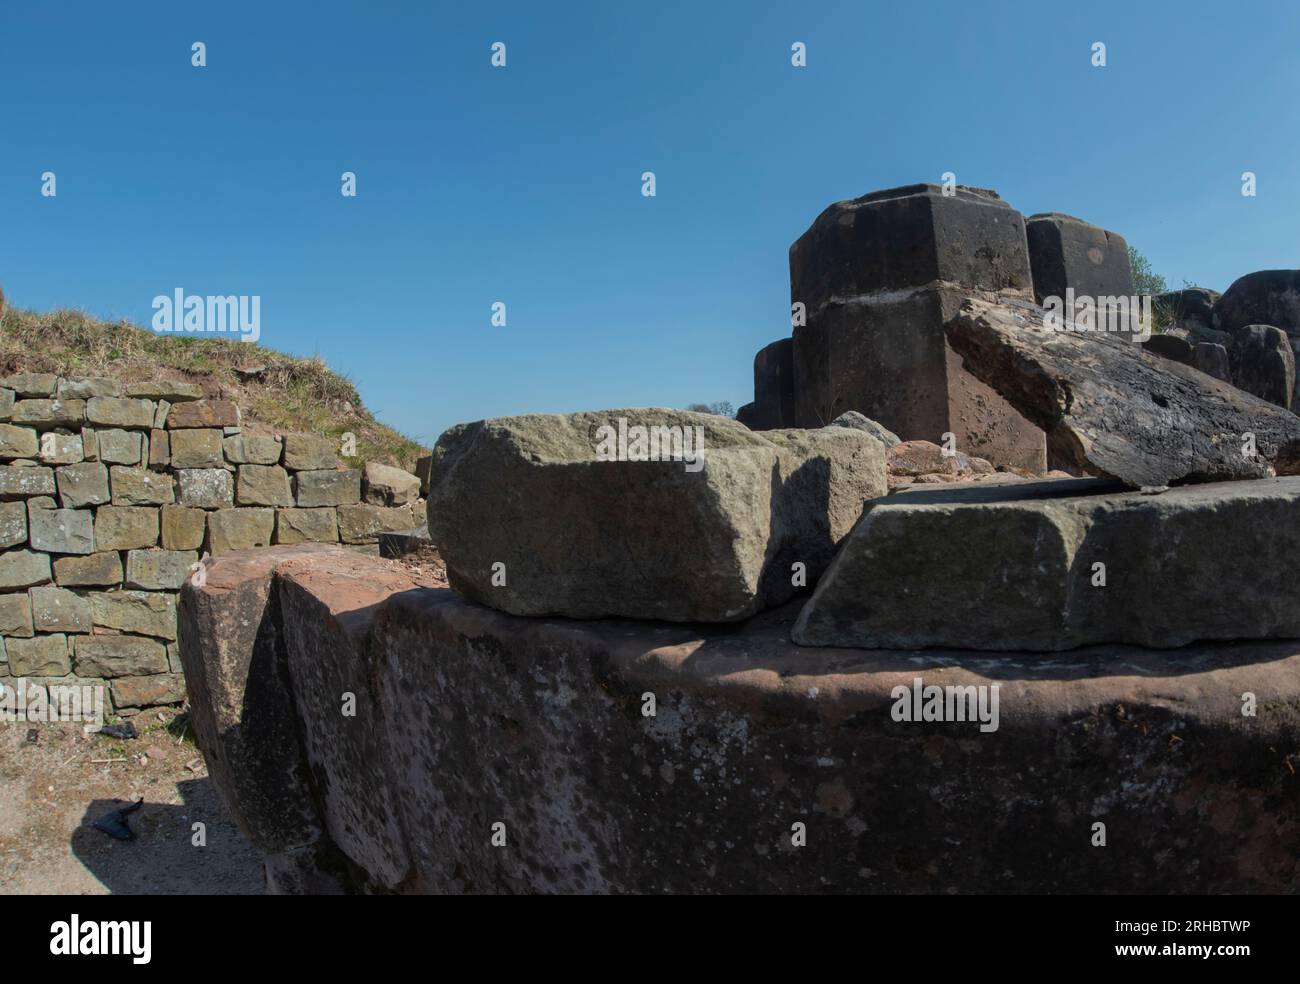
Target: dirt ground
[56, 781]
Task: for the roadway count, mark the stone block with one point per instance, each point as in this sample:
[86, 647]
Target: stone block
[205, 488]
[148, 691]
[90, 443]
[159, 449]
[306, 526]
[6, 403]
[141, 487]
[148, 613]
[30, 385]
[174, 391]
[16, 615]
[62, 531]
[39, 656]
[263, 485]
[119, 412]
[183, 528]
[199, 447]
[18, 442]
[158, 570]
[249, 449]
[388, 486]
[773, 405]
[1263, 364]
[46, 414]
[126, 527]
[120, 447]
[340, 487]
[239, 529]
[97, 570]
[309, 452]
[59, 610]
[61, 448]
[113, 656]
[23, 568]
[83, 484]
[203, 413]
[24, 481]
[13, 524]
[362, 522]
[90, 386]
[1065, 252]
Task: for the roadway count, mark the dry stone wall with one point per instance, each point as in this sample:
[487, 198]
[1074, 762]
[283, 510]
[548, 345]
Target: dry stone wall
[110, 495]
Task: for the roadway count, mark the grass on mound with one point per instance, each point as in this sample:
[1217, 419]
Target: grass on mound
[287, 394]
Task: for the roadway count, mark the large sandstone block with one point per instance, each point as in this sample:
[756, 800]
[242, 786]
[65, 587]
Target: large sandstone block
[83, 484]
[1015, 567]
[147, 613]
[1267, 297]
[456, 690]
[112, 656]
[13, 523]
[31, 384]
[200, 447]
[23, 481]
[263, 485]
[183, 528]
[59, 610]
[18, 442]
[22, 569]
[1111, 409]
[120, 447]
[203, 413]
[61, 448]
[333, 487]
[16, 615]
[878, 277]
[62, 531]
[40, 656]
[239, 529]
[389, 486]
[773, 405]
[232, 648]
[141, 487]
[85, 388]
[102, 569]
[126, 527]
[112, 411]
[45, 414]
[641, 538]
[306, 525]
[309, 452]
[205, 488]
[362, 522]
[1263, 364]
[148, 691]
[174, 391]
[158, 570]
[1065, 252]
[250, 449]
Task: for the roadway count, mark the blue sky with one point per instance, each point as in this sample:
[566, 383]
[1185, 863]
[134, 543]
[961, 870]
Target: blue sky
[522, 184]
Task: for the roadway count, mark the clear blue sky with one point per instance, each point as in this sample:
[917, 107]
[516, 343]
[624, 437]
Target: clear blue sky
[523, 184]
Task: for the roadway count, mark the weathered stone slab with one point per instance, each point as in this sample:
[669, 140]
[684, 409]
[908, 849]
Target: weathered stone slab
[858, 421]
[1113, 410]
[773, 405]
[148, 691]
[205, 488]
[1212, 359]
[40, 656]
[16, 615]
[59, 610]
[263, 485]
[334, 487]
[1065, 252]
[389, 486]
[146, 613]
[102, 569]
[1015, 567]
[240, 529]
[309, 452]
[306, 525]
[1263, 364]
[44, 414]
[112, 656]
[160, 449]
[22, 482]
[83, 484]
[18, 442]
[126, 527]
[31, 384]
[62, 531]
[13, 523]
[141, 487]
[120, 447]
[199, 447]
[250, 449]
[111, 411]
[183, 528]
[6, 403]
[231, 645]
[158, 570]
[171, 390]
[362, 522]
[636, 532]
[61, 448]
[203, 413]
[23, 568]
[87, 387]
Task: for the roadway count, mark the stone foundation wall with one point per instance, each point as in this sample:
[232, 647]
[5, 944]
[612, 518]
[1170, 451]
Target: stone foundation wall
[110, 495]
